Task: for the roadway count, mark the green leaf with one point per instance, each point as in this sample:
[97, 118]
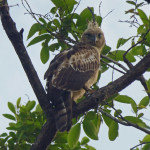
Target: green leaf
[38, 108]
[66, 5]
[131, 2]
[136, 120]
[138, 50]
[107, 120]
[148, 85]
[134, 105]
[54, 47]
[53, 10]
[84, 140]
[143, 17]
[39, 39]
[30, 105]
[18, 102]
[35, 28]
[113, 130]
[74, 135]
[61, 137]
[146, 138]
[9, 116]
[106, 50]
[123, 99]
[146, 147]
[90, 129]
[117, 113]
[3, 134]
[98, 20]
[141, 29]
[44, 55]
[56, 23]
[140, 115]
[118, 55]
[91, 125]
[90, 115]
[11, 107]
[82, 20]
[121, 42]
[43, 21]
[144, 102]
[128, 100]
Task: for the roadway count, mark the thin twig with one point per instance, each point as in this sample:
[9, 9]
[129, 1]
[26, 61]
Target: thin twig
[108, 14]
[113, 67]
[64, 40]
[140, 78]
[92, 13]
[129, 123]
[99, 8]
[139, 145]
[113, 118]
[115, 62]
[75, 8]
[143, 39]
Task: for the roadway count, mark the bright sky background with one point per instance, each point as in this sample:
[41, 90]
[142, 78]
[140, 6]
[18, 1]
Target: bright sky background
[14, 83]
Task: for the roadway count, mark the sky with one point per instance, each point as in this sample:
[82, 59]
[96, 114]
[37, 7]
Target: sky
[14, 83]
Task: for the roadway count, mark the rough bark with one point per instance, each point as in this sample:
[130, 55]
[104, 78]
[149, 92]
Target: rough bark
[49, 130]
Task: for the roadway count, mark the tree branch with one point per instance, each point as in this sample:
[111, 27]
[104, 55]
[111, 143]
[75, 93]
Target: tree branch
[48, 131]
[15, 37]
[107, 91]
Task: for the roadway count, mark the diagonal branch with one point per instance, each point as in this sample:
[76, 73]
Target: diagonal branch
[48, 131]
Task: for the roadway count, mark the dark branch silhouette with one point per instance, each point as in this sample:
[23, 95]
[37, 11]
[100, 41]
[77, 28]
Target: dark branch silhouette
[49, 130]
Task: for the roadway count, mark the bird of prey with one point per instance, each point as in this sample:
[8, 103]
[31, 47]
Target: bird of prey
[72, 72]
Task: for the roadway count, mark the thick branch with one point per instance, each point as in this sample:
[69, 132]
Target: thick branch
[113, 88]
[49, 130]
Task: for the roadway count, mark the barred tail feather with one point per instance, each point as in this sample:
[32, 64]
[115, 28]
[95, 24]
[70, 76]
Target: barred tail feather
[61, 100]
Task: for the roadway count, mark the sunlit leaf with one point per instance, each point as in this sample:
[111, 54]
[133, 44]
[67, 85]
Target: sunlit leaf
[131, 2]
[9, 116]
[107, 120]
[30, 105]
[74, 135]
[143, 17]
[90, 129]
[44, 55]
[118, 55]
[113, 130]
[146, 147]
[146, 138]
[39, 39]
[84, 140]
[82, 20]
[144, 102]
[61, 137]
[121, 42]
[35, 28]
[136, 120]
[18, 102]
[11, 107]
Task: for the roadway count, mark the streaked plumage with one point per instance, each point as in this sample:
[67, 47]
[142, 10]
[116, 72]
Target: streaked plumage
[72, 71]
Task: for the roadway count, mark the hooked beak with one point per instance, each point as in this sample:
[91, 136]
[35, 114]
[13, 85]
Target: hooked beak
[93, 39]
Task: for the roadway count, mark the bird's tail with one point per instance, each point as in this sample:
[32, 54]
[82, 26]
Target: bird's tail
[61, 100]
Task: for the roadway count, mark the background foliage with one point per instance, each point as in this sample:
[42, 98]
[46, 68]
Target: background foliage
[58, 30]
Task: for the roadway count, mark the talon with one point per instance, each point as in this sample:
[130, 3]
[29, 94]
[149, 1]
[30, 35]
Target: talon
[88, 90]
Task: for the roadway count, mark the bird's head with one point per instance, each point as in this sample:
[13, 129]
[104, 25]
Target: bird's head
[93, 35]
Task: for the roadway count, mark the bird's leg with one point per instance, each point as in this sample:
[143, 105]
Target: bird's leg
[88, 90]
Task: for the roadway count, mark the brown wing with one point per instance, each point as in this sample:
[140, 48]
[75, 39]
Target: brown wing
[71, 72]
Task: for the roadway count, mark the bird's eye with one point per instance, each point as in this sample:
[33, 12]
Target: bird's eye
[99, 35]
[88, 35]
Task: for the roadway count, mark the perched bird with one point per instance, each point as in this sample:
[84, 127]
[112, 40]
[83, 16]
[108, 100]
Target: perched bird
[72, 72]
